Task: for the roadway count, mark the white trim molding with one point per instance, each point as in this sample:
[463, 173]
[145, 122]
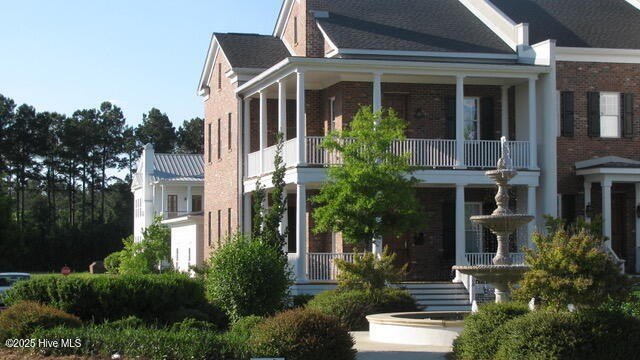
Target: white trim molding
[626, 56]
[438, 54]
[635, 3]
[502, 25]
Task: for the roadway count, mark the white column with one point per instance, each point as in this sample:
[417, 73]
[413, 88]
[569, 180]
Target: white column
[606, 211]
[460, 163]
[246, 134]
[300, 118]
[587, 199]
[301, 233]
[460, 230]
[504, 130]
[189, 196]
[282, 108]
[163, 200]
[533, 128]
[377, 91]
[531, 210]
[263, 128]
[637, 226]
[246, 215]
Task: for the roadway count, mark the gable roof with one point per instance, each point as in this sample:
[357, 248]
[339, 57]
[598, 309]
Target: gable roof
[613, 24]
[407, 25]
[252, 50]
[178, 167]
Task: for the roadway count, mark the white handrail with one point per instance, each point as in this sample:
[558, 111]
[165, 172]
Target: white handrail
[487, 258]
[485, 153]
[322, 267]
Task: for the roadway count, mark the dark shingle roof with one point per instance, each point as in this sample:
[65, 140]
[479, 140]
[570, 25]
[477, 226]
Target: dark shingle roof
[578, 23]
[252, 50]
[408, 25]
[178, 167]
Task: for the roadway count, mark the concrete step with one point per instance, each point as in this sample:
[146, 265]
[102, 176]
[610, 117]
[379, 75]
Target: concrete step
[437, 291]
[441, 297]
[462, 308]
[438, 285]
[444, 302]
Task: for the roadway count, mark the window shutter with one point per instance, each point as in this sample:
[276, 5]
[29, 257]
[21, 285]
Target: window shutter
[566, 113]
[450, 115]
[593, 113]
[627, 115]
[487, 119]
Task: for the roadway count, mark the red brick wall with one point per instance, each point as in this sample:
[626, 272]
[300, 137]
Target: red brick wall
[310, 40]
[581, 78]
[221, 175]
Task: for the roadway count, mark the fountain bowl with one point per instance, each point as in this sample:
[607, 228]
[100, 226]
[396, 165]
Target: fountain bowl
[504, 223]
[431, 328]
[494, 273]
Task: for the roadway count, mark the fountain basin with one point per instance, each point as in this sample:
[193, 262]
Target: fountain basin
[494, 273]
[506, 223]
[431, 328]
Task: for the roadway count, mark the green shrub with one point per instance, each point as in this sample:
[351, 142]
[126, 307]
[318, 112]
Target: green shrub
[164, 297]
[482, 330]
[21, 319]
[248, 278]
[131, 322]
[193, 324]
[300, 300]
[571, 268]
[131, 343]
[351, 307]
[237, 338]
[302, 334]
[369, 272]
[563, 335]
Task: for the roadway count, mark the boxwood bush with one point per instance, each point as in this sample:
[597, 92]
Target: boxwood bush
[351, 307]
[302, 334]
[482, 330]
[248, 277]
[167, 297]
[237, 338]
[22, 319]
[563, 335]
[132, 343]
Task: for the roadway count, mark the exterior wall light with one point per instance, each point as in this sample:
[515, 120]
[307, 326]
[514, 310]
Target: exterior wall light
[588, 210]
[638, 211]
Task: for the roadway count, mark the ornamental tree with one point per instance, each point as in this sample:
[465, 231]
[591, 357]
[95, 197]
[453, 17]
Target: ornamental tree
[372, 193]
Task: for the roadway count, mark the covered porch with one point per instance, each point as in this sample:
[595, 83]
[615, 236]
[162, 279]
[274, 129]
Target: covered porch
[612, 189]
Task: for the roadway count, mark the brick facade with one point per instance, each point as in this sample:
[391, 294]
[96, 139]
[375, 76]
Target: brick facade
[583, 77]
[221, 174]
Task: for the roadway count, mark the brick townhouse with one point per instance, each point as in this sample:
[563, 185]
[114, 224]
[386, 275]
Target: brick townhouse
[557, 78]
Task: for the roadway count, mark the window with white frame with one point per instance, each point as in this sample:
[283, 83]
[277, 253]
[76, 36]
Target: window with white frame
[473, 232]
[610, 114]
[471, 118]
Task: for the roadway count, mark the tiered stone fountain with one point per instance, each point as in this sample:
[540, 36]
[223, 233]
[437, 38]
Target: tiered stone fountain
[502, 222]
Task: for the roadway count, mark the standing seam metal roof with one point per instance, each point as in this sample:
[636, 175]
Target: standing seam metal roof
[178, 167]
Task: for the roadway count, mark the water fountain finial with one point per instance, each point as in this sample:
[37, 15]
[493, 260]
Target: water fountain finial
[504, 163]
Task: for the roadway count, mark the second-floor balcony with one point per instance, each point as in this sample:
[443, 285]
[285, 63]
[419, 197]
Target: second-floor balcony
[422, 153]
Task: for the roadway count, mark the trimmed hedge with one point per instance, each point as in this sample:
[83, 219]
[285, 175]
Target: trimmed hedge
[351, 307]
[131, 343]
[302, 334]
[167, 297]
[237, 338]
[586, 335]
[22, 319]
[482, 330]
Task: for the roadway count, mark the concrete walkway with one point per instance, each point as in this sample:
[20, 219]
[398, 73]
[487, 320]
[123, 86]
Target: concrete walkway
[368, 350]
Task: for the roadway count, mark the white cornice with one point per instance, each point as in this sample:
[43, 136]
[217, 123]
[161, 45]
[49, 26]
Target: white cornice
[328, 40]
[496, 20]
[627, 56]
[283, 17]
[438, 54]
[635, 3]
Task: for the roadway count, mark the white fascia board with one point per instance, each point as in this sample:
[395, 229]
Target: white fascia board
[625, 56]
[635, 3]
[289, 65]
[334, 49]
[212, 56]
[283, 17]
[435, 54]
[496, 20]
[184, 220]
[542, 53]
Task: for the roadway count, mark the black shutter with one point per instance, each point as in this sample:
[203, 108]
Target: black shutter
[450, 117]
[627, 115]
[593, 113]
[566, 113]
[487, 119]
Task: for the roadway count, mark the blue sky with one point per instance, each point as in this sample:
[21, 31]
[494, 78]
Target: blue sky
[63, 55]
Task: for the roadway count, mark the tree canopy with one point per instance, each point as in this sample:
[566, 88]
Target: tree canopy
[372, 192]
[191, 136]
[157, 129]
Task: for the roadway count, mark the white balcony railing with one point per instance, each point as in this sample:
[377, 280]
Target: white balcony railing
[428, 153]
[322, 266]
[485, 153]
[487, 258]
